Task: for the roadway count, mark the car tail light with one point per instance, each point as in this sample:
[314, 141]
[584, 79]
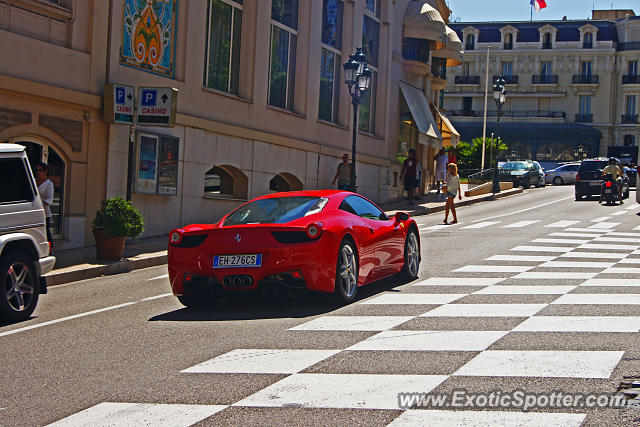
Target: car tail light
[175, 237]
[296, 274]
[577, 177]
[313, 231]
[608, 184]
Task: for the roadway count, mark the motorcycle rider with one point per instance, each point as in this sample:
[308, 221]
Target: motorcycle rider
[616, 173]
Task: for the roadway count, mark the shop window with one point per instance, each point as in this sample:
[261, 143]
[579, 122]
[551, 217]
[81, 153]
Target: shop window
[225, 181]
[285, 182]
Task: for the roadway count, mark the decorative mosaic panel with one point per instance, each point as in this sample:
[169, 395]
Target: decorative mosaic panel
[149, 36]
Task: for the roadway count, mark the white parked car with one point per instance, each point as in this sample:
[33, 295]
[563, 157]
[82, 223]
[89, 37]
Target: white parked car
[25, 253]
[565, 174]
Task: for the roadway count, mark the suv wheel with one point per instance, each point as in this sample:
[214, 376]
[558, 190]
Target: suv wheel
[19, 287]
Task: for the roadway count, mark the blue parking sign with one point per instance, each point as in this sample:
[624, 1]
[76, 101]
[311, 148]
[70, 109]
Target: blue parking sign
[149, 97]
[120, 95]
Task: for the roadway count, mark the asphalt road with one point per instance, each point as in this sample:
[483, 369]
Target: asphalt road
[510, 298]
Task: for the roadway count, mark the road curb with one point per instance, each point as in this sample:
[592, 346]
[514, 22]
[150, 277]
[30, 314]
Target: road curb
[90, 271]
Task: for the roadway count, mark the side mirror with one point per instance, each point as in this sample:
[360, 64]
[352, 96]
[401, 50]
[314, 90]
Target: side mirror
[401, 216]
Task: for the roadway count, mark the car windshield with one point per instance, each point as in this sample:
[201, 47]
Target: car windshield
[276, 210]
[593, 166]
[515, 166]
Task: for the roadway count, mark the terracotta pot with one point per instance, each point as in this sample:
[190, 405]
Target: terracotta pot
[108, 247]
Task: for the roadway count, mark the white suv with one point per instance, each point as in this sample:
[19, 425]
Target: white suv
[24, 250]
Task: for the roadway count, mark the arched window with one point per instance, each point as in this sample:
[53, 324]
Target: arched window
[508, 42]
[587, 42]
[629, 140]
[285, 181]
[546, 41]
[225, 181]
[471, 42]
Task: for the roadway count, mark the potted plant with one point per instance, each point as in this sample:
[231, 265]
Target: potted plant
[116, 220]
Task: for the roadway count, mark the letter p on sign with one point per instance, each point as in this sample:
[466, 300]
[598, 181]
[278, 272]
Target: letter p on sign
[149, 98]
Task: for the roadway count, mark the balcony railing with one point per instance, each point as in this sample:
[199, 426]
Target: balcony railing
[467, 80]
[629, 46]
[510, 80]
[584, 118]
[516, 114]
[544, 79]
[628, 119]
[586, 79]
[631, 79]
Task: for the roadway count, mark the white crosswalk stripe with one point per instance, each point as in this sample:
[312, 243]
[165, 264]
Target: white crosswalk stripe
[524, 258]
[601, 219]
[442, 418]
[542, 249]
[481, 224]
[562, 224]
[598, 255]
[572, 241]
[604, 225]
[520, 224]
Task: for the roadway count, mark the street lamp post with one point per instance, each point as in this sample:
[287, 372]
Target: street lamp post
[499, 94]
[358, 78]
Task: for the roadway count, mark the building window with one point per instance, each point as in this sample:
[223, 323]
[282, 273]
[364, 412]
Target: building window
[466, 68]
[546, 68]
[370, 47]
[630, 105]
[284, 35]
[584, 115]
[223, 46]
[632, 66]
[415, 49]
[508, 42]
[586, 68]
[330, 60]
[507, 69]
[471, 42]
[546, 44]
[587, 43]
[629, 140]
[408, 133]
[285, 182]
[373, 6]
[467, 105]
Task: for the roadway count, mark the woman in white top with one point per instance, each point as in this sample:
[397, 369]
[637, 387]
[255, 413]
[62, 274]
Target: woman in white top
[453, 188]
[45, 188]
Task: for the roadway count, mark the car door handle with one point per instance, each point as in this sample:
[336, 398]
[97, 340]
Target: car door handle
[371, 229]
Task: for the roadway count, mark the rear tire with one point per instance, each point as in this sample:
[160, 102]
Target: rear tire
[346, 284]
[558, 180]
[411, 256]
[19, 287]
[540, 183]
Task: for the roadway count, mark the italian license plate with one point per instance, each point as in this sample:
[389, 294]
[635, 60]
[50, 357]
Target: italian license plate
[608, 191]
[232, 261]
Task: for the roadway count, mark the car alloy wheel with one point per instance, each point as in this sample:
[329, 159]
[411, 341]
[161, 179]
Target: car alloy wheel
[412, 255]
[19, 286]
[558, 181]
[348, 271]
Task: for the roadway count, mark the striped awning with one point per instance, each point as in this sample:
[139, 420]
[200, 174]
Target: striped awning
[423, 21]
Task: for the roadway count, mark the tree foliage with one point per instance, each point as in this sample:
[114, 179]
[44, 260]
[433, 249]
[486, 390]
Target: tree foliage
[470, 154]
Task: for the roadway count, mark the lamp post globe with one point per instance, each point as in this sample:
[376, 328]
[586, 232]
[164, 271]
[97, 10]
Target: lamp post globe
[358, 78]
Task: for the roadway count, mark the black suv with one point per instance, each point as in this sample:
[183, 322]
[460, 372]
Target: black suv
[522, 173]
[589, 178]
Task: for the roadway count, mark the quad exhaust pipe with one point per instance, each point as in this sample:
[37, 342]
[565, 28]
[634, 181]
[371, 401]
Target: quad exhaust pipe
[238, 281]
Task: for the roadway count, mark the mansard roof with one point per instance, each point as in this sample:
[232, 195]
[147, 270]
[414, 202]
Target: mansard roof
[568, 31]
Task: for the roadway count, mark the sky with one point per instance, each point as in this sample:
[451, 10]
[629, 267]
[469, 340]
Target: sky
[520, 10]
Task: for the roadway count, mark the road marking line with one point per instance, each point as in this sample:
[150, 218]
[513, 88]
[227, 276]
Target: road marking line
[525, 258]
[485, 310]
[63, 319]
[432, 340]
[520, 224]
[574, 264]
[494, 268]
[156, 297]
[597, 255]
[482, 224]
[601, 219]
[352, 323]
[164, 276]
[619, 213]
[459, 281]
[541, 249]
[525, 290]
[553, 275]
[606, 225]
[611, 282]
[609, 247]
[561, 224]
[617, 239]
[439, 417]
[598, 299]
[580, 324]
[413, 299]
[525, 210]
[572, 241]
[593, 231]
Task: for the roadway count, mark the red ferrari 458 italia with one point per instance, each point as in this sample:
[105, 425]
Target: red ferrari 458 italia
[326, 240]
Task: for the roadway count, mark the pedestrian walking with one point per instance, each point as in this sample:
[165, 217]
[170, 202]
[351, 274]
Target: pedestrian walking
[45, 188]
[452, 189]
[343, 174]
[409, 173]
[441, 160]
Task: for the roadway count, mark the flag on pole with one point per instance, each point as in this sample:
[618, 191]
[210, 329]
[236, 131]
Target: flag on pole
[538, 4]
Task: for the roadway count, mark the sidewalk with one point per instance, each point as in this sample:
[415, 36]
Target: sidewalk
[81, 263]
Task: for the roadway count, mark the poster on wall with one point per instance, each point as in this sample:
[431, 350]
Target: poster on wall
[146, 177]
[149, 36]
[168, 166]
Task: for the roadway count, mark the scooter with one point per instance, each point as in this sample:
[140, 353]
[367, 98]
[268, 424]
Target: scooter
[610, 190]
